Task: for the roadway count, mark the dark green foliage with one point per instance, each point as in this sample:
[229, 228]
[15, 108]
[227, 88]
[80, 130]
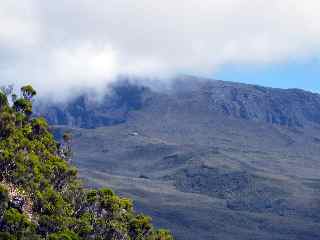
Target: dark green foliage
[28, 92]
[16, 223]
[24, 106]
[66, 235]
[53, 204]
[4, 199]
[3, 100]
[140, 226]
[7, 124]
[160, 235]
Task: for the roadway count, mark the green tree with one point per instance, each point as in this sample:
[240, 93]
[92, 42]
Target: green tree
[52, 203]
[28, 92]
[3, 100]
[23, 106]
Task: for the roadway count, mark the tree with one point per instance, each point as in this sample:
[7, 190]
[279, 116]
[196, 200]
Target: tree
[39, 126]
[3, 100]
[7, 124]
[28, 92]
[7, 90]
[24, 106]
[41, 196]
[65, 147]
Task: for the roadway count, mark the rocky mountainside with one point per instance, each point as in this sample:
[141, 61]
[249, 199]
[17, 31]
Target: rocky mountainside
[208, 159]
[292, 108]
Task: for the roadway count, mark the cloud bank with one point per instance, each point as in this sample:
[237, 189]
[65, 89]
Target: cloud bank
[63, 46]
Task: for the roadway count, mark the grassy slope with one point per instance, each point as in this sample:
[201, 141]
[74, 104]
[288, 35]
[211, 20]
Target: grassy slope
[224, 178]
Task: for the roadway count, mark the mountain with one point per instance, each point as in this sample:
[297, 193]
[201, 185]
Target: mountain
[41, 196]
[208, 159]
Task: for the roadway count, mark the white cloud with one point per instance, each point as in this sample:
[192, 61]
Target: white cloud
[75, 43]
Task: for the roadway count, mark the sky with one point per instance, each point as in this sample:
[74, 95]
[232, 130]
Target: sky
[63, 46]
[303, 75]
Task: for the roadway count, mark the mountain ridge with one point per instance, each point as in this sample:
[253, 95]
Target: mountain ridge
[228, 98]
[248, 154]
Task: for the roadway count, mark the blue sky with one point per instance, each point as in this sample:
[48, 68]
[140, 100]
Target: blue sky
[304, 75]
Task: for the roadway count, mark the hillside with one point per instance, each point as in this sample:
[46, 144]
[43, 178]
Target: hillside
[209, 159]
[41, 196]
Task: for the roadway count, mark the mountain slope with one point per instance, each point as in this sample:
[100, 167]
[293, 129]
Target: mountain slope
[41, 196]
[209, 159]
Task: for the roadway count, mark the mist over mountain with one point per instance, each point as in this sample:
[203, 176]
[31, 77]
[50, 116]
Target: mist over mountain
[208, 159]
[59, 47]
[291, 108]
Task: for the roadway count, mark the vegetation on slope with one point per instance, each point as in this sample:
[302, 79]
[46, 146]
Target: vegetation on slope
[41, 196]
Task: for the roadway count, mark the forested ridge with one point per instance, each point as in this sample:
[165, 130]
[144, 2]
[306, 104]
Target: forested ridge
[41, 196]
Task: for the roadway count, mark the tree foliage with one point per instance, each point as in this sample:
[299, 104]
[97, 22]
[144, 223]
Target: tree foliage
[41, 196]
[28, 92]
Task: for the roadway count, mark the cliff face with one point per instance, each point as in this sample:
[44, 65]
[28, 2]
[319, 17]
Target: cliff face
[207, 159]
[85, 112]
[292, 108]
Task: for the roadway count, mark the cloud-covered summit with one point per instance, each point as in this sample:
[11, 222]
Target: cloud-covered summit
[63, 45]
